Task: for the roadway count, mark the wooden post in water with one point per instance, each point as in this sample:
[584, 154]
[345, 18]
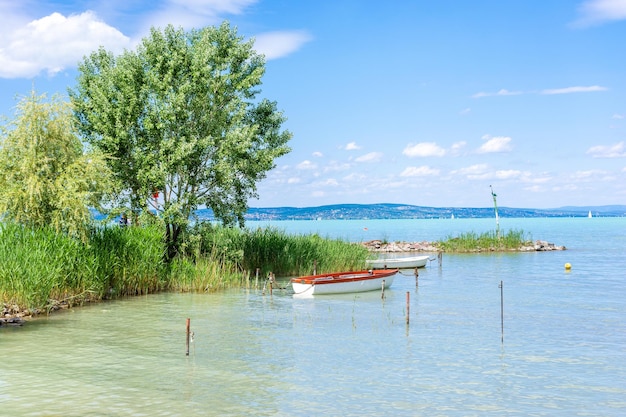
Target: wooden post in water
[314, 267]
[382, 296]
[440, 258]
[408, 304]
[187, 352]
[256, 280]
[501, 312]
[417, 274]
[271, 282]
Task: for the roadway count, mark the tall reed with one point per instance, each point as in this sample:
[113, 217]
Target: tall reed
[487, 241]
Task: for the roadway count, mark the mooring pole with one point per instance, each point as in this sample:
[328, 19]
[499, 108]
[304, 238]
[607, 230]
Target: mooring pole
[408, 304]
[382, 289]
[440, 258]
[188, 321]
[256, 280]
[501, 312]
[417, 274]
[315, 267]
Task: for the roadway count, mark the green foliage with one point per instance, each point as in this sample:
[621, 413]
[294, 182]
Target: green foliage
[46, 179]
[488, 241]
[180, 115]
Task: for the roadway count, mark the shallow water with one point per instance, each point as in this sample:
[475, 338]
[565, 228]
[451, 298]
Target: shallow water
[563, 351]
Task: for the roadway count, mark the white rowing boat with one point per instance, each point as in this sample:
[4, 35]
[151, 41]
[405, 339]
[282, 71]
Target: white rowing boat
[343, 282]
[400, 263]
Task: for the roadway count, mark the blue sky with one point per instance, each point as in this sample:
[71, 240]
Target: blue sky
[413, 102]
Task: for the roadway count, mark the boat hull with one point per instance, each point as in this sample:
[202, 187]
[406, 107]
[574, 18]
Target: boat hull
[343, 282]
[400, 263]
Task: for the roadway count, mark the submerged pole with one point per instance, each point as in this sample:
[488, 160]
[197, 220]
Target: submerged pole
[188, 332]
[501, 312]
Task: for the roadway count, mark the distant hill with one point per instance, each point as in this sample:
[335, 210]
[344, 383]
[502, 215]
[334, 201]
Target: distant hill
[404, 211]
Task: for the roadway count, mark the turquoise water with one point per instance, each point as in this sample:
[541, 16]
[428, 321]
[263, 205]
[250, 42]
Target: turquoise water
[564, 348]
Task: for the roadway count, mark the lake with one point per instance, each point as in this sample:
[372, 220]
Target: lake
[563, 351]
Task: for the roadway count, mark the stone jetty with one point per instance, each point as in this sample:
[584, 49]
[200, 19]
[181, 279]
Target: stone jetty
[380, 246]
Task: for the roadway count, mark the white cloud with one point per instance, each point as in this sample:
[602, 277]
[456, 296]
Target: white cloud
[306, 165]
[548, 91]
[191, 14]
[352, 146]
[569, 90]
[618, 116]
[317, 154]
[279, 44]
[424, 149]
[456, 148]
[508, 174]
[465, 111]
[370, 157]
[472, 170]
[614, 151]
[54, 43]
[596, 12]
[583, 175]
[293, 180]
[495, 144]
[423, 171]
[502, 92]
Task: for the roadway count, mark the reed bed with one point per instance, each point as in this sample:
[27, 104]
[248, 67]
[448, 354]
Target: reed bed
[273, 250]
[487, 241]
[42, 269]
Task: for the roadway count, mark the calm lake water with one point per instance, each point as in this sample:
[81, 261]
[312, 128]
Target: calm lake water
[564, 349]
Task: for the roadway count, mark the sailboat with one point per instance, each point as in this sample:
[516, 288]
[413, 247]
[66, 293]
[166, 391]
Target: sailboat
[589, 215]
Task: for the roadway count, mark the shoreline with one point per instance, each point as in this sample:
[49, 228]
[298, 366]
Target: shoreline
[12, 315]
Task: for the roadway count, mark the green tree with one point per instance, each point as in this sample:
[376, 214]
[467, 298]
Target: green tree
[181, 118]
[46, 177]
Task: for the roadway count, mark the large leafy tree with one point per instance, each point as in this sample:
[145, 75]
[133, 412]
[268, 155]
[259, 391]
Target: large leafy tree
[47, 178]
[181, 118]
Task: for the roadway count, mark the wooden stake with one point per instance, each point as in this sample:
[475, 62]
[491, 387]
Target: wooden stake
[187, 353]
[408, 306]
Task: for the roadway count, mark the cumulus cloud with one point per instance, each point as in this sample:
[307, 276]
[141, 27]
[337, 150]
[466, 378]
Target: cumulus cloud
[55, 42]
[597, 12]
[352, 146]
[424, 149]
[474, 172]
[579, 89]
[612, 151]
[423, 171]
[279, 44]
[370, 157]
[306, 165]
[508, 174]
[495, 144]
[456, 148]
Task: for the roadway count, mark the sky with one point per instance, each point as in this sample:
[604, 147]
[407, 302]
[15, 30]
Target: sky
[429, 103]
